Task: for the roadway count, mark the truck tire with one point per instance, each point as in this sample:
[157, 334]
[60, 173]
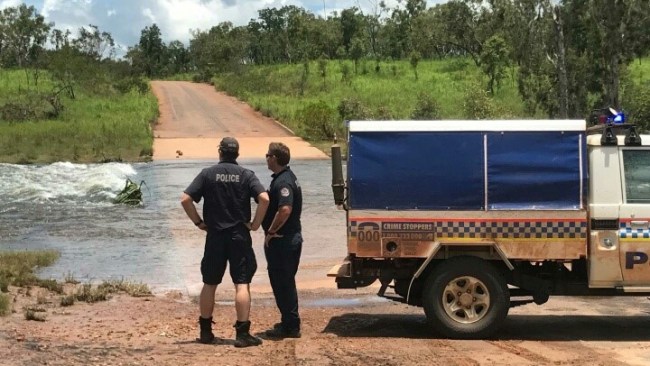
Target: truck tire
[465, 298]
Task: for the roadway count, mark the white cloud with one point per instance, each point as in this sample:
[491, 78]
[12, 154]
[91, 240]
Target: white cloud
[9, 3]
[149, 15]
[111, 12]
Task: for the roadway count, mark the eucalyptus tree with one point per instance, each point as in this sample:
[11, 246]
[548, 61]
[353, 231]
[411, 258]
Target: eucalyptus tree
[460, 28]
[178, 57]
[23, 33]
[60, 39]
[399, 27]
[373, 23]
[495, 60]
[615, 22]
[352, 26]
[97, 45]
[152, 50]
[219, 49]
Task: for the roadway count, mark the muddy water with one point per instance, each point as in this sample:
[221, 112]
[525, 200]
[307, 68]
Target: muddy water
[67, 207]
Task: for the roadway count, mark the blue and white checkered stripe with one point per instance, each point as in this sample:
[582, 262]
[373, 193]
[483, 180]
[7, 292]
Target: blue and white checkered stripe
[627, 232]
[504, 229]
[512, 229]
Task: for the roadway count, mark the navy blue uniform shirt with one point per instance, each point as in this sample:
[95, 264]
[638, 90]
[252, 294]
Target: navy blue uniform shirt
[227, 189]
[284, 191]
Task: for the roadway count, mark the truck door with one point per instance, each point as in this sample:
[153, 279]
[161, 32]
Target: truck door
[634, 228]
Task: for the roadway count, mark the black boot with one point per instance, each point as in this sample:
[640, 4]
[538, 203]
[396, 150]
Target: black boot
[206, 336]
[244, 338]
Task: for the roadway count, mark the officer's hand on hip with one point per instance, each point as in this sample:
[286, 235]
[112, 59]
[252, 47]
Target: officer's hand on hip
[268, 237]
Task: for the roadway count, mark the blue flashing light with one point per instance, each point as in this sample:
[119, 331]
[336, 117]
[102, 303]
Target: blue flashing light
[619, 118]
[612, 116]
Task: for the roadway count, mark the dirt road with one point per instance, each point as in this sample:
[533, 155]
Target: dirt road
[340, 328]
[195, 117]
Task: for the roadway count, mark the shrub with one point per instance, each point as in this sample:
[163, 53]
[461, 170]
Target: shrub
[67, 300]
[138, 84]
[454, 65]
[5, 304]
[351, 109]
[426, 107]
[384, 113]
[51, 285]
[319, 120]
[477, 104]
[346, 74]
[35, 314]
[31, 106]
[88, 293]
[133, 289]
[4, 283]
[203, 76]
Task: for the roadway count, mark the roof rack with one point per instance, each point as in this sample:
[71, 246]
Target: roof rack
[610, 130]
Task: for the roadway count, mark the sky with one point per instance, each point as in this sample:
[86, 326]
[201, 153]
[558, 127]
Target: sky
[124, 19]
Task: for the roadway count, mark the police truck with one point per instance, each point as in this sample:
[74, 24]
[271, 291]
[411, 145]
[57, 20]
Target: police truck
[470, 218]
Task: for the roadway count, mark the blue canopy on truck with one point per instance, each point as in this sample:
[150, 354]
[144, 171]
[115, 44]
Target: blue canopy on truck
[467, 165]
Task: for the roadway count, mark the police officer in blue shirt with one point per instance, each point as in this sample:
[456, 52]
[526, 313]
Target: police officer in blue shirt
[283, 240]
[227, 189]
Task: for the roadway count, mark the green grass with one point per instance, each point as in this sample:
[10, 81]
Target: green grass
[17, 269]
[275, 90]
[91, 128]
[639, 71]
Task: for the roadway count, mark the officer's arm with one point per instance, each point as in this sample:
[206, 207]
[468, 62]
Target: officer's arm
[188, 205]
[280, 218]
[262, 206]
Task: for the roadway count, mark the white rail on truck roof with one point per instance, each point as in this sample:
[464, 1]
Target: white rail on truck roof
[473, 125]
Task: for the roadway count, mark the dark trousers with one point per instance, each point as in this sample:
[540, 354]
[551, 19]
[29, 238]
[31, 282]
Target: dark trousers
[283, 258]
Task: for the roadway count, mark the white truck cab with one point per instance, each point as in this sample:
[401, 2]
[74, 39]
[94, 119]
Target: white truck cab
[619, 208]
[470, 218]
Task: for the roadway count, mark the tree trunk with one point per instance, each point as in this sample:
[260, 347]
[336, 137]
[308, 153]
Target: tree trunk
[614, 81]
[563, 83]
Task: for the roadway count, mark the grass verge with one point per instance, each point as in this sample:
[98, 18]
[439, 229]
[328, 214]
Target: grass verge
[91, 128]
[17, 270]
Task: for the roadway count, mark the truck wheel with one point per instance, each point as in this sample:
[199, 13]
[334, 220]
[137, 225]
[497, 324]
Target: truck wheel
[465, 297]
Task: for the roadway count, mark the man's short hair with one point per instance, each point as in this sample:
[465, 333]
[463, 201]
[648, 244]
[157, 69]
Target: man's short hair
[281, 152]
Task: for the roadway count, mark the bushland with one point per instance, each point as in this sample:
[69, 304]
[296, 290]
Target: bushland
[46, 119]
[315, 98]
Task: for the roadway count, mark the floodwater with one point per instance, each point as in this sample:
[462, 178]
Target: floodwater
[67, 207]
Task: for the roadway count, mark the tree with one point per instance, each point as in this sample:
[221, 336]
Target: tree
[97, 45]
[178, 57]
[373, 24]
[613, 20]
[23, 32]
[414, 59]
[494, 60]
[357, 51]
[460, 29]
[152, 51]
[60, 39]
[351, 26]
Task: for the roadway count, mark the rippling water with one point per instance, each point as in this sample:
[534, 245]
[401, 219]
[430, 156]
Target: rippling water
[67, 207]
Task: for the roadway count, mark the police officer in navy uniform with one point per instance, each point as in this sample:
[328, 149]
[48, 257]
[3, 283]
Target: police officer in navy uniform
[227, 189]
[283, 240]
